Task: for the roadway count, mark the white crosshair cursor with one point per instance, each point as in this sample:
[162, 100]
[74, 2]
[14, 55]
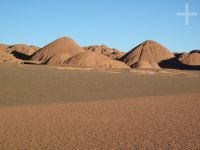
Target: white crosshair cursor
[186, 14]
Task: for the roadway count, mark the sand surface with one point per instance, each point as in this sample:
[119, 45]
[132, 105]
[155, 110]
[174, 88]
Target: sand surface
[163, 122]
[23, 85]
[54, 109]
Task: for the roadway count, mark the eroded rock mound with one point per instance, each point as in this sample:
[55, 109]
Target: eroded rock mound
[103, 49]
[57, 52]
[192, 58]
[147, 55]
[6, 56]
[24, 49]
[94, 60]
[16, 53]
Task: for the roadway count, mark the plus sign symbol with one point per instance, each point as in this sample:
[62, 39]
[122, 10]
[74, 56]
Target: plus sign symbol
[186, 14]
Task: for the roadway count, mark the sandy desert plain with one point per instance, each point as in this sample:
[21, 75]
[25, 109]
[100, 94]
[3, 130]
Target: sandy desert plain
[65, 107]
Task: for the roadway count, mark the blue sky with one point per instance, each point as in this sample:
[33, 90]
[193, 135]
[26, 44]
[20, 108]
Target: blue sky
[121, 24]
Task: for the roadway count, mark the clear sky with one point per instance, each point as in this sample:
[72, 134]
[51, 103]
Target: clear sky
[121, 24]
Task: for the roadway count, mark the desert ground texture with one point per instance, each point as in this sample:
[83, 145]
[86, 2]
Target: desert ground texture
[47, 107]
